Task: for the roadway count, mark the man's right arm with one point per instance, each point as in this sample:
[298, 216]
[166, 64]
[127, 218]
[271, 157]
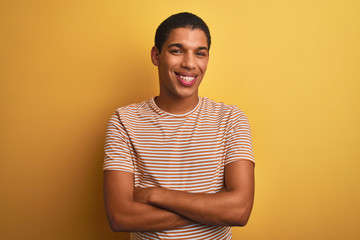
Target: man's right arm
[127, 215]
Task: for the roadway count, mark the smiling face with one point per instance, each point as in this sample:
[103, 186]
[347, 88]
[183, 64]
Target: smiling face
[182, 63]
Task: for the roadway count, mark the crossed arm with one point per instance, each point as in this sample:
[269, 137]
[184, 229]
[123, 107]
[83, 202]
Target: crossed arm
[156, 209]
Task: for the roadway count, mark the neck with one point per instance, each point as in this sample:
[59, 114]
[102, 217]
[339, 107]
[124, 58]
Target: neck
[176, 105]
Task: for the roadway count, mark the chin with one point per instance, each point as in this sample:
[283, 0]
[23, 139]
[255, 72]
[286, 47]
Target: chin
[187, 95]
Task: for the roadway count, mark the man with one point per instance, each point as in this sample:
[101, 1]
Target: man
[179, 166]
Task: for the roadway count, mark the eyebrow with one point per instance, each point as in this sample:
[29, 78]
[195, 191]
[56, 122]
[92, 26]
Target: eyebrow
[179, 45]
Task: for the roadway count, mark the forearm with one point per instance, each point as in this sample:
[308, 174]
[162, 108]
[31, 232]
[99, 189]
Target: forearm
[223, 208]
[231, 207]
[127, 215]
[138, 217]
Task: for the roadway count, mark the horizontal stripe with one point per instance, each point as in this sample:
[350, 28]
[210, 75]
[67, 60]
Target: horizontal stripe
[185, 152]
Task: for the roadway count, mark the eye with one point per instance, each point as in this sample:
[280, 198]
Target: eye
[201, 54]
[176, 51]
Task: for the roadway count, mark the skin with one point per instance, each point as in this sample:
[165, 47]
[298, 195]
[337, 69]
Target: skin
[127, 215]
[155, 209]
[230, 207]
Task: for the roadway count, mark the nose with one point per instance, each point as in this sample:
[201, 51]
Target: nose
[188, 61]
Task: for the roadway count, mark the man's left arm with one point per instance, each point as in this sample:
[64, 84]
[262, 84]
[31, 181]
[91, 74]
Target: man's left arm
[230, 207]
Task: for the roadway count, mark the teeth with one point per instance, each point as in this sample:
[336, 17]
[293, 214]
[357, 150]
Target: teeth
[187, 78]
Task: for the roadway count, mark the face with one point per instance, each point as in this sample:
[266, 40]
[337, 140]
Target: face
[182, 63]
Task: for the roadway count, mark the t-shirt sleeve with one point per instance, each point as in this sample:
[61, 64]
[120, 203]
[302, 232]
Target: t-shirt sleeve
[238, 141]
[118, 150]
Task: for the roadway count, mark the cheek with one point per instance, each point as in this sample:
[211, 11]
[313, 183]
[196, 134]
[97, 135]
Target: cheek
[166, 67]
[203, 66]
[171, 62]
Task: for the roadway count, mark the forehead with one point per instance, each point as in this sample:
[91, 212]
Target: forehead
[187, 37]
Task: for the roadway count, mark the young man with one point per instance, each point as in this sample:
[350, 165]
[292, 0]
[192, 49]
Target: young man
[179, 166]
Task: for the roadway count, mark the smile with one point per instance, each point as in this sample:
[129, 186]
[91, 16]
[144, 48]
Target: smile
[186, 80]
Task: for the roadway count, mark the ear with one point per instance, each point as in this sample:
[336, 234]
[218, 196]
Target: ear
[155, 56]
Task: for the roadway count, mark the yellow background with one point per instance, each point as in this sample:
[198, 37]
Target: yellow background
[292, 66]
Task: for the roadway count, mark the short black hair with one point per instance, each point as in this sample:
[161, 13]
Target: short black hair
[180, 20]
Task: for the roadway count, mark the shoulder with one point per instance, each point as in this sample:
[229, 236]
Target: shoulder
[134, 110]
[222, 110]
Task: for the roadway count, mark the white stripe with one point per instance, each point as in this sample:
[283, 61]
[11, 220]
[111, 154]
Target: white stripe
[186, 152]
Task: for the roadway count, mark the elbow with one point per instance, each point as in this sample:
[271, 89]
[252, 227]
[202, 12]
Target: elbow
[119, 224]
[239, 218]
[242, 222]
[238, 221]
[241, 214]
[117, 227]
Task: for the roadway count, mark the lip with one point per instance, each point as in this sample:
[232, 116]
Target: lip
[186, 83]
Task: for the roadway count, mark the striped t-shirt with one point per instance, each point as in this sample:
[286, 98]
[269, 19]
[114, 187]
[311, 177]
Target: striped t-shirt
[186, 152]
